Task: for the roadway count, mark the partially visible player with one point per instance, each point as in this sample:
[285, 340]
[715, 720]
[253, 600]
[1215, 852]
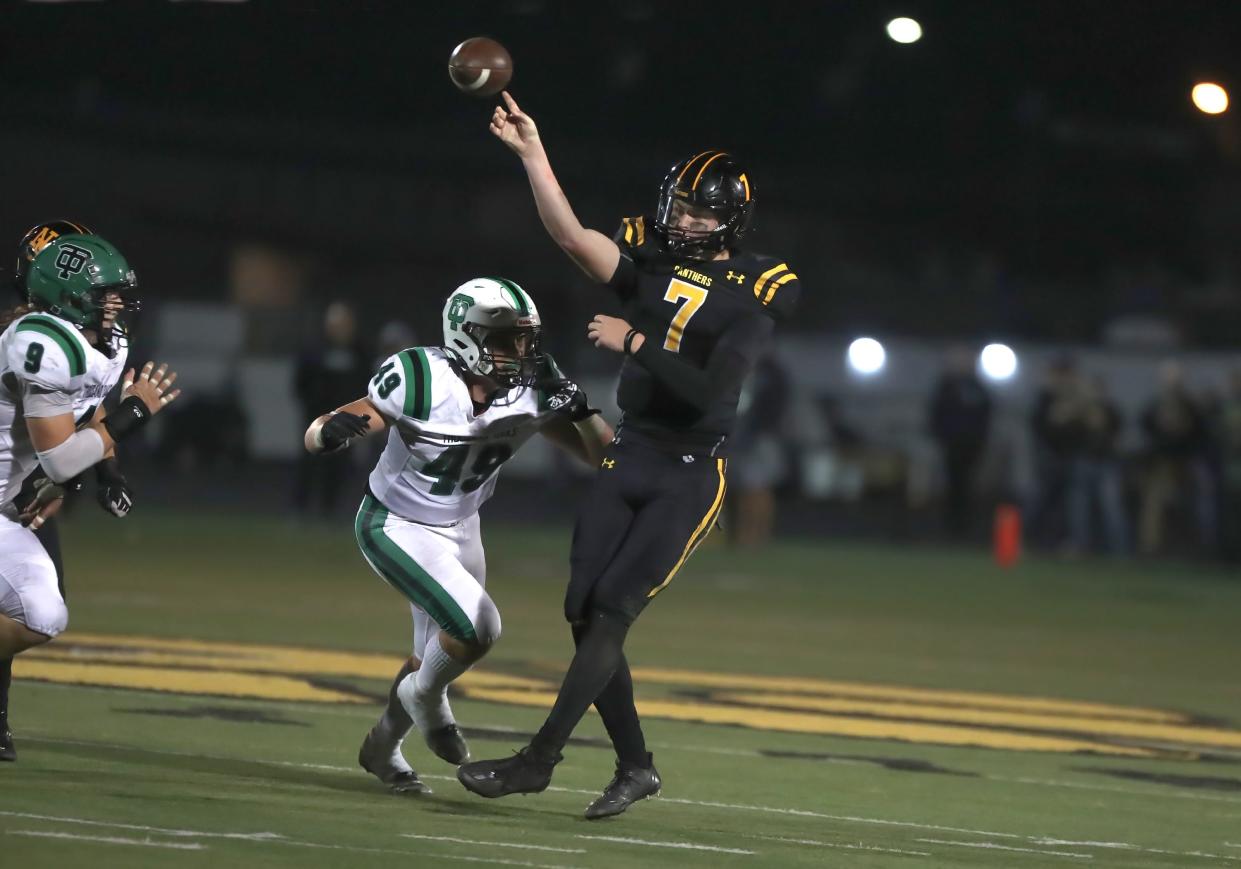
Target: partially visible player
[40, 499]
[453, 415]
[699, 311]
[49, 421]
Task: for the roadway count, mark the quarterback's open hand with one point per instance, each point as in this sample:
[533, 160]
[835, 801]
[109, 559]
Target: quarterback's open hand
[151, 385]
[608, 333]
[514, 128]
[343, 426]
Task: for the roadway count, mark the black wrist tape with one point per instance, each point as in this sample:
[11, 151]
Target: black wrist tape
[129, 416]
[629, 340]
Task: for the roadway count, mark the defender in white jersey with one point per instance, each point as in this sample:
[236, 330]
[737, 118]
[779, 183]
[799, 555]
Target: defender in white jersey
[45, 366]
[453, 415]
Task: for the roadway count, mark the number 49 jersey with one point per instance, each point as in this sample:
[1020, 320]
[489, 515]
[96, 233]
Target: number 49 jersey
[441, 459]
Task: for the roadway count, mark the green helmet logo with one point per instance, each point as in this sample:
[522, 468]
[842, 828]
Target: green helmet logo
[72, 275]
[71, 259]
[458, 306]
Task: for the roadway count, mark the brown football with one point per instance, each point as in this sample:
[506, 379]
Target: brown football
[480, 67]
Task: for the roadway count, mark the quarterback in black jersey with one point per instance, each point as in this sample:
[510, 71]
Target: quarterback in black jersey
[698, 313]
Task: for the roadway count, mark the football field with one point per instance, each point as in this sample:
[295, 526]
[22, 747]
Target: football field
[809, 704]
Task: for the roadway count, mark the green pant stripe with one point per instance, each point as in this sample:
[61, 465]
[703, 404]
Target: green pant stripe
[58, 333]
[406, 574]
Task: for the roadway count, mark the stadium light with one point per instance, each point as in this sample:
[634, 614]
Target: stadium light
[904, 30]
[1210, 98]
[998, 362]
[866, 356]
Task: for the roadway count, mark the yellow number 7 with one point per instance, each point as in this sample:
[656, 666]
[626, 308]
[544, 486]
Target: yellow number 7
[693, 298]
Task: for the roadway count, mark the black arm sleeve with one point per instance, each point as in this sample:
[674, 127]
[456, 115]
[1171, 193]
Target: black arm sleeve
[625, 279]
[735, 352]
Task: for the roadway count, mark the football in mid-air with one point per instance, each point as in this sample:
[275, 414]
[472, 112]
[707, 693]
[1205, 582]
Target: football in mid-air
[480, 67]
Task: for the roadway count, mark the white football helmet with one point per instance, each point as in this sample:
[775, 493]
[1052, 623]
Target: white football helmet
[484, 321]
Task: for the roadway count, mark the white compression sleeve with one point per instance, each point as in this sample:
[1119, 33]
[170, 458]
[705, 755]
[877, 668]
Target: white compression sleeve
[72, 456]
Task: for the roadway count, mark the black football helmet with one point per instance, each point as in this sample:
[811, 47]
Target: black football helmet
[35, 240]
[713, 180]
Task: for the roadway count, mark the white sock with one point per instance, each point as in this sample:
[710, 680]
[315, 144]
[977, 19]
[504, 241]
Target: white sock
[430, 709]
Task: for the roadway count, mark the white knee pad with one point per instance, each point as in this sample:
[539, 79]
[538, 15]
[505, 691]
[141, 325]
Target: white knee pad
[487, 622]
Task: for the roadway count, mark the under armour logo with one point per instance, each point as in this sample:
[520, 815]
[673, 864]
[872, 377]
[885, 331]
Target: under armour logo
[734, 276]
[71, 259]
[609, 463]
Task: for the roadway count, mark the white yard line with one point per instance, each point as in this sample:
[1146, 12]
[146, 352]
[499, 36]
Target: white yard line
[256, 838]
[791, 812]
[163, 831]
[648, 843]
[111, 840]
[858, 846]
[996, 847]
[455, 840]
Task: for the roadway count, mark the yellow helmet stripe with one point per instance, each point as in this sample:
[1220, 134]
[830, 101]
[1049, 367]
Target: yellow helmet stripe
[692, 161]
[694, 186]
[746, 181]
[766, 276]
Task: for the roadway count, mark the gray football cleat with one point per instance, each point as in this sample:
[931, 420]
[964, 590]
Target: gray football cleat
[386, 763]
[630, 784]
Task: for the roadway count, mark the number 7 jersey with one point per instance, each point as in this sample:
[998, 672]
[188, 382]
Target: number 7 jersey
[441, 460]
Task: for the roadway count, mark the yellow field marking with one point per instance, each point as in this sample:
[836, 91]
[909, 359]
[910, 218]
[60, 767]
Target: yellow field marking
[775, 703]
[183, 681]
[797, 684]
[238, 657]
[833, 725]
[1157, 732]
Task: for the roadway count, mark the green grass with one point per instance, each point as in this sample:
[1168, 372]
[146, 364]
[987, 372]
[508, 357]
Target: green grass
[1161, 636]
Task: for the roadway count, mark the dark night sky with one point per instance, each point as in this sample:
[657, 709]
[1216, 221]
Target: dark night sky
[1055, 136]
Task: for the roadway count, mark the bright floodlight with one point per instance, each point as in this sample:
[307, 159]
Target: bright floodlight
[998, 362]
[904, 30]
[1210, 98]
[866, 356]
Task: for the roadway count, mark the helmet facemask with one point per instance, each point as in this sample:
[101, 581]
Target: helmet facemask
[512, 357]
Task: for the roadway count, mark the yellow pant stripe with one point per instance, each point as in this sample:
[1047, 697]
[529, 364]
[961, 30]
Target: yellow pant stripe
[701, 532]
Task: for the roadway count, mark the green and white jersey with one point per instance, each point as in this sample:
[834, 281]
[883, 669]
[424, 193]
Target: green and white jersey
[45, 364]
[441, 460]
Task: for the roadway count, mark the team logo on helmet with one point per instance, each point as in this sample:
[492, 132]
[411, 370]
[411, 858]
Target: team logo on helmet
[72, 259]
[457, 309]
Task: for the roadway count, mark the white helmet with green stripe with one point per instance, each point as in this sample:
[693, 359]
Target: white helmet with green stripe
[493, 326]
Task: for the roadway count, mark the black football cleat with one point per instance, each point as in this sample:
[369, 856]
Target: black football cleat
[630, 784]
[523, 773]
[8, 751]
[448, 744]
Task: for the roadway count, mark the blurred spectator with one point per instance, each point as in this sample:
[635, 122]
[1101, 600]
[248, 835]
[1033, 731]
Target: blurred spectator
[1228, 435]
[1055, 423]
[1176, 431]
[331, 372]
[1095, 472]
[959, 417]
[758, 461]
[394, 336]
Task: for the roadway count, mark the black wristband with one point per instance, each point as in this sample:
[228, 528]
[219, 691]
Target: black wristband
[129, 416]
[629, 340]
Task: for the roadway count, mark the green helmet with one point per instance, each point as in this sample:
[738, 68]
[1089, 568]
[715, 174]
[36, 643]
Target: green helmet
[71, 275]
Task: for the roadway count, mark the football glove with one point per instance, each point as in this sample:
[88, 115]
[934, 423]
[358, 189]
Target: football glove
[45, 492]
[340, 427]
[566, 397]
[112, 491]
